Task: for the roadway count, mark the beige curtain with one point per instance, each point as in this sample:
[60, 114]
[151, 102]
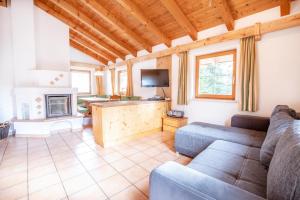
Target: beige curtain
[99, 84]
[182, 79]
[129, 89]
[248, 75]
[112, 75]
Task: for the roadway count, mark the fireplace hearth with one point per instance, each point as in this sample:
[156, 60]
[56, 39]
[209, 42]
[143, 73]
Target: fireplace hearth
[58, 105]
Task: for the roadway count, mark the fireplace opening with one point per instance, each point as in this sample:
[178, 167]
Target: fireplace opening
[58, 105]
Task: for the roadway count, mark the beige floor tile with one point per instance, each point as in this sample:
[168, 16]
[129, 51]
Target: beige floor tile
[94, 163]
[135, 173]
[87, 156]
[7, 171]
[78, 183]
[12, 179]
[39, 162]
[43, 182]
[153, 142]
[102, 172]
[166, 156]
[63, 156]
[122, 164]
[143, 185]
[150, 164]
[114, 184]
[129, 151]
[130, 193]
[90, 193]
[153, 151]
[41, 171]
[15, 192]
[61, 164]
[14, 161]
[53, 192]
[71, 172]
[141, 146]
[138, 157]
[82, 150]
[113, 157]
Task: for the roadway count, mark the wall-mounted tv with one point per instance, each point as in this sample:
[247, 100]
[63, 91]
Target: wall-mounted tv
[155, 78]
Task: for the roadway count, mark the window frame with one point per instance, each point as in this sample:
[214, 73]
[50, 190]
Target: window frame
[214, 96]
[119, 81]
[90, 80]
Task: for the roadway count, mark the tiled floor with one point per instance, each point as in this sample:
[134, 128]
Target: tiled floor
[71, 166]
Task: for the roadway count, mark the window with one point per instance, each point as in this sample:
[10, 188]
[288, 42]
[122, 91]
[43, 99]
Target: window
[81, 79]
[122, 81]
[215, 75]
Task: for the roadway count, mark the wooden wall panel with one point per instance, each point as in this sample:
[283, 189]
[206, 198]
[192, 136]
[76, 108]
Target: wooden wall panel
[165, 63]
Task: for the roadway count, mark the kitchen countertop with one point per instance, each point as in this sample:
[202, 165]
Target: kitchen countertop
[124, 103]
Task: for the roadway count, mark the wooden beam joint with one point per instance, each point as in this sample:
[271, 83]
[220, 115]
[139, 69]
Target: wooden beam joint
[285, 7]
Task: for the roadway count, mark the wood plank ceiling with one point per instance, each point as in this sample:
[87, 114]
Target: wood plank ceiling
[111, 29]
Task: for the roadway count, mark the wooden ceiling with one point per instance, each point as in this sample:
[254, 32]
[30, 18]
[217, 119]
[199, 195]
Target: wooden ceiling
[110, 29]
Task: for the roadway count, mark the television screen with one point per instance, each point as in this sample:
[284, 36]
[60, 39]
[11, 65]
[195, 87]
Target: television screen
[155, 78]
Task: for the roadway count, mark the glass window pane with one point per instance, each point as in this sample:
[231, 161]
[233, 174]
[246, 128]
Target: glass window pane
[216, 75]
[123, 82]
[81, 81]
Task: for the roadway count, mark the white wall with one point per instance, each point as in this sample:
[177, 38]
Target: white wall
[6, 66]
[78, 56]
[278, 68]
[51, 42]
[23, 40]
[28, 38]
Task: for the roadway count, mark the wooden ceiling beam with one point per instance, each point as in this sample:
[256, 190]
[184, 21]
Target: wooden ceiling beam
[3, 3]
[92, 47]
[83, 18]
[86, 51]
[285, 7]
[180, 17]
[266, 27]
[102, 12]
[135, 11]
[79, 30]
[91, 38]
[225, 13]
[89, 48]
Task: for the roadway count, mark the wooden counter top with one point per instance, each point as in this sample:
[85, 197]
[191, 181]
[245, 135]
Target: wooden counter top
[124, 103]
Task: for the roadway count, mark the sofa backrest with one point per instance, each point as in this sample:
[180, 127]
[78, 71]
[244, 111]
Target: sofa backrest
[283, 181]
[281, 119]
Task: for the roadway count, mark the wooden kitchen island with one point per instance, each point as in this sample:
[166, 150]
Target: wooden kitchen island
[119, 121]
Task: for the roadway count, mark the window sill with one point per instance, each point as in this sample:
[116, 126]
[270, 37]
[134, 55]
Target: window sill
[214, 100]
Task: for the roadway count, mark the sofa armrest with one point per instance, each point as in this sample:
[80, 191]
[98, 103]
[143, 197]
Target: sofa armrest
[173, 181]
[250, 122]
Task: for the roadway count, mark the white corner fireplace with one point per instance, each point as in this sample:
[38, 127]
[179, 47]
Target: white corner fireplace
[42, 111]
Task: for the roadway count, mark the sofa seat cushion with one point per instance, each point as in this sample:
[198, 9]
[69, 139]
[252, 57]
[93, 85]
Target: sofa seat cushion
[195, 137]
[233, 163]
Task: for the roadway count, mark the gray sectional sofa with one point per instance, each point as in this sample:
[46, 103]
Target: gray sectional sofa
[256, 158]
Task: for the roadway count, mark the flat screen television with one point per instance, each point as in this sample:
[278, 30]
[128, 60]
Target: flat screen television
[155, 78]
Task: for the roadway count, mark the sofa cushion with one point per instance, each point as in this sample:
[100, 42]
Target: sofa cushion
[233, 163]
[284, 172]
[195, 137]
[279, 123]
[284, 108]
